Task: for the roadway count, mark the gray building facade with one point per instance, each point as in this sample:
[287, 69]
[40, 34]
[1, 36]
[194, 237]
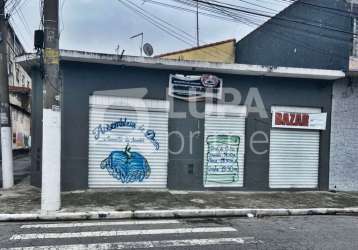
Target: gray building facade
[314, 34]
[86, 74]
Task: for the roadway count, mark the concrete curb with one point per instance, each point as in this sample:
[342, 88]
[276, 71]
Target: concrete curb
[178, 213]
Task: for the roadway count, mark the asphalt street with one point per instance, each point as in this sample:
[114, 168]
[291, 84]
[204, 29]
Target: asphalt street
[306, 232]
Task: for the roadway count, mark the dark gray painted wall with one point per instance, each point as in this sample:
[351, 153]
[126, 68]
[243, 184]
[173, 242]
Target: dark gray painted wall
[82, 79]
[283, 43]
[36, 127]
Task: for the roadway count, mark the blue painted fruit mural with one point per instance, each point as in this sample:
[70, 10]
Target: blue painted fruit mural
[127, 166]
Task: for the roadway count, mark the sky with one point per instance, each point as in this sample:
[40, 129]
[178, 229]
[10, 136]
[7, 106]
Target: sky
[102, 25]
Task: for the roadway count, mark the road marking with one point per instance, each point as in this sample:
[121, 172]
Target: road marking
[98, 224]
[144, 244]
[121, 233]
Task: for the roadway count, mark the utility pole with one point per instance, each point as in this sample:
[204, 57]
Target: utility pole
[51, 125]
[197, 24]
[5, 118]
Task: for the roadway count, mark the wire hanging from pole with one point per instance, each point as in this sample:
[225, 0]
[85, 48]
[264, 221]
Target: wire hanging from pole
[197, 24]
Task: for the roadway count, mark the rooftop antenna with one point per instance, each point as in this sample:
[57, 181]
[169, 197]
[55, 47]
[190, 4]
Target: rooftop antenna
[117, 49]
[141, 44]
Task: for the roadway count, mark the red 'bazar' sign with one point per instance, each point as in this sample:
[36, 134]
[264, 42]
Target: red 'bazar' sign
[292, 119]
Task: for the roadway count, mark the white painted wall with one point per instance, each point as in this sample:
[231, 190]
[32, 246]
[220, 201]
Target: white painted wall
[51, 161]
[7, 161]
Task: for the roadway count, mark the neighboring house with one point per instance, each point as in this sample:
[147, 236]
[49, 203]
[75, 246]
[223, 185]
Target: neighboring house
[223, 51]
[344, 136]
[279, 42]
[20, 85]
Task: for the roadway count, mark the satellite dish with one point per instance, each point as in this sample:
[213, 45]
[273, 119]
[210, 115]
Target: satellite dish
[148, 49]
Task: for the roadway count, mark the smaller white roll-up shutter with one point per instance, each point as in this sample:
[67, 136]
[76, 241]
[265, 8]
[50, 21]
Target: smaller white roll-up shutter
[294, 155]
[128, 142]
[224, 146]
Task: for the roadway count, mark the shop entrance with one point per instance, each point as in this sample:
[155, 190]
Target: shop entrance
[295, 147]
[128, 142]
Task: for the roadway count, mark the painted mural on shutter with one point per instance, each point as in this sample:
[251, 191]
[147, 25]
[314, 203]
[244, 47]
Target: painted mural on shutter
[224, 148]
[128, 142]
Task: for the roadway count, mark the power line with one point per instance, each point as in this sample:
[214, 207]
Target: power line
[23, 38]
[197, 25]
[23, 21]
[193, 3]
[237, 9]
[155, 23]
[14, 6]
[171, 26]
[241, 19]
[179, 8]
[216, 10]
[61, 17]
[233, 16]
[168, 28]
[213, 3]
[350, 13]
[251, 12]
[257, 5]
[281, 35]
[209, 9]
[173, 30]
[23, 4]
[282, 24]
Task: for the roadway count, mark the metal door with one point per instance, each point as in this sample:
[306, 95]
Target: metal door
[224, 146]
[294, 151]
[128, 142]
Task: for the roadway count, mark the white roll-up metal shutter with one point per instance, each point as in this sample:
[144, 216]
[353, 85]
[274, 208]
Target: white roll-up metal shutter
[128, 142]
[224, 146]
[294, 156]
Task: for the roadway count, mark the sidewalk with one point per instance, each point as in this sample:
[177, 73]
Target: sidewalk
[24, 198]
[21, 167]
